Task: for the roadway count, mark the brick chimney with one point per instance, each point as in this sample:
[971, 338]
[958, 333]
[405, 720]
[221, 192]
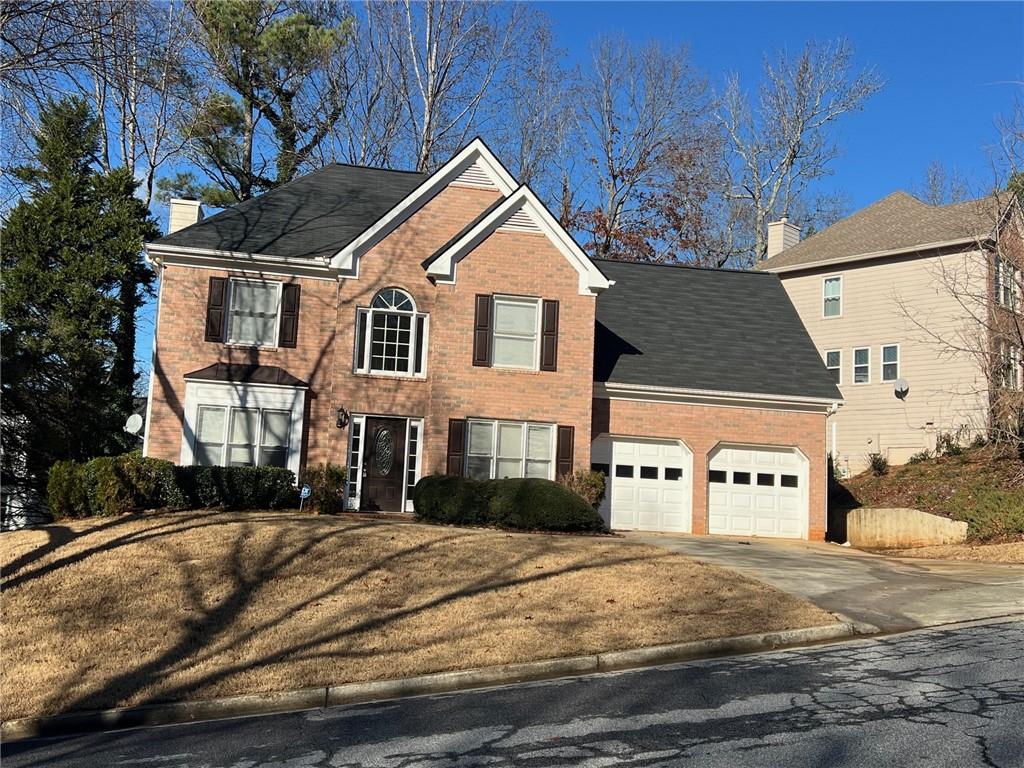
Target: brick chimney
[184, 213]
[781, 235]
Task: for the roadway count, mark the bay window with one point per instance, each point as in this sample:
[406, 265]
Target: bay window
[241, 437]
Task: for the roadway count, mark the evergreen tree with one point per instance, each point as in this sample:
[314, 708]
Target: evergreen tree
[71, 283]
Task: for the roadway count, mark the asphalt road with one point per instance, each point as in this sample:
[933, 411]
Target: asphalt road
[934, 697]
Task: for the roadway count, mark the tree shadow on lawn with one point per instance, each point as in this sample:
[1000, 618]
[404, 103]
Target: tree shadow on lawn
[210, 634]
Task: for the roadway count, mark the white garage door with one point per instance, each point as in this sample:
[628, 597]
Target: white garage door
[649, 483]
[757, 491]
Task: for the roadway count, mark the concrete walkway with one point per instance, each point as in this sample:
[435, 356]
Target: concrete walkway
[890, 593]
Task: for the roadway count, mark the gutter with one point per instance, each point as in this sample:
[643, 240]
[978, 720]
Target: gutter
[612, 390]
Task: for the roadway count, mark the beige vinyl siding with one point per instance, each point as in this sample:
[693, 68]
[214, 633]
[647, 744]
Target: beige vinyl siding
[946, 388]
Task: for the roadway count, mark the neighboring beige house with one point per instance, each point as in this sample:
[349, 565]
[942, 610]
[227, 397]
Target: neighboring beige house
[886, 294]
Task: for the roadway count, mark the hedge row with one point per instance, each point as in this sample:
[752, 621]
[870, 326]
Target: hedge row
[517, 503]
[116, 485]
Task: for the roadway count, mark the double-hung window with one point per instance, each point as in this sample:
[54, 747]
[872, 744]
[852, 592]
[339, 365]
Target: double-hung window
[832, 297]
[516, 332]
[890, 362]
[1010, 365]
[253, 312]
[862, 365]
[1006, 278]
[391, 336]
[500, 449]
[834, 363]
[227, 436]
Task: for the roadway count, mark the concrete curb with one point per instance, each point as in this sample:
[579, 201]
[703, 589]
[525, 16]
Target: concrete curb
[441, 682]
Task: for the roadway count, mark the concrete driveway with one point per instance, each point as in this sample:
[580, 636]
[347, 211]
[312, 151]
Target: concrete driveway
[890, 593]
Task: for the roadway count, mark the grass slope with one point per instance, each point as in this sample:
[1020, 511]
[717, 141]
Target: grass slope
[163, 607]
[982, 486]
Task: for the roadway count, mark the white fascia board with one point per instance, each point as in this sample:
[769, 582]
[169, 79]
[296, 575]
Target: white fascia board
[347, 259]
[203, 258]
[591, 280]
[612, 390]
[876, 255]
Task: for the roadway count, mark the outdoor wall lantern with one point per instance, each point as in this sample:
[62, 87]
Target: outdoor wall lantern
[342, 420]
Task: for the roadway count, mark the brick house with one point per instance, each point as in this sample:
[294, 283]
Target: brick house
[404, 324]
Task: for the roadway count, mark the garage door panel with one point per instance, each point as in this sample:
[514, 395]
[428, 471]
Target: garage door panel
[650, 486]
[746, 495]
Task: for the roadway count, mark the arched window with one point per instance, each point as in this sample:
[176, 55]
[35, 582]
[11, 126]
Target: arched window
[391, 336]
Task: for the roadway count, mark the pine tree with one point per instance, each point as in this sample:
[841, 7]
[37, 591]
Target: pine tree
[71, 283]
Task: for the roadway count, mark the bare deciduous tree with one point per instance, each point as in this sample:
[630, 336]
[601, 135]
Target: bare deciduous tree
[942, 186]
[778, 146]
[639, 113]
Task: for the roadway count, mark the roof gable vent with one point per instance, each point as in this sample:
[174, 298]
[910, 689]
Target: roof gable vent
[475, 176]
[520, 221]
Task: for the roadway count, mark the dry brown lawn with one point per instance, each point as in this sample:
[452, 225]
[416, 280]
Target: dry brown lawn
[1007, 552]
[166, 607]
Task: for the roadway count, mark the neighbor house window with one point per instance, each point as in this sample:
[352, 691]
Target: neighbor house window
[890, 362]
[516, 332]
[1007, 278]
[391, 336]
[510, 449]
[862, 365]
[833, 296]
[227, 436]
[834, 363]
[1010, 365]
[253, 309]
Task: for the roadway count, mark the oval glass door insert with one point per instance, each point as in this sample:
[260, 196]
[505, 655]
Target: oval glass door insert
[385, 451]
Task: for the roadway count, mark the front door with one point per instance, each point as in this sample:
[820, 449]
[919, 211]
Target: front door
[383, 465]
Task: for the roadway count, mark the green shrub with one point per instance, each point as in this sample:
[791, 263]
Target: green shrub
[917, 458]
[66, 494]
[588, 484]
[878, 464]
[991, 513]
[450, 500]
[109, 493]
[237, 487]
[535, 504]
[327, 488]
[517, 503]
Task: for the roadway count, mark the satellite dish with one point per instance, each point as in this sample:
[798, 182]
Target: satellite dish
[901, 389]
[134, 424]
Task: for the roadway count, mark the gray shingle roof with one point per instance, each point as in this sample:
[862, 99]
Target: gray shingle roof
[708, 329]
[313, 216]
[895, 222]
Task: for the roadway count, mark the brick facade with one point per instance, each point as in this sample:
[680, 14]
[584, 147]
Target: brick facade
[507, 262]
[703, 427]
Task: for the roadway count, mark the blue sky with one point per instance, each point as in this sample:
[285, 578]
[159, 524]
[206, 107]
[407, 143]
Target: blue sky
[950, 69]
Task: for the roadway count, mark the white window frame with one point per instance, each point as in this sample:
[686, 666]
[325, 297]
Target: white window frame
[354, 453]
[1010, 362]
[1006, 283]
[825, 297]
[232, 282]
[495, 425]
[838, 366]
[243, 396]
[507, 299]
[366, 315]
[857, 365]
[898, 362]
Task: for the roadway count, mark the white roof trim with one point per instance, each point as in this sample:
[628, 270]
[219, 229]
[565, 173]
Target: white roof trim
[874, 254]
[235, 260]
[442, 268]
[475, 153]
[682, 394]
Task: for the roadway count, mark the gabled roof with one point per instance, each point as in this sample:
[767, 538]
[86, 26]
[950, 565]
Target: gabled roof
[710, 330]
[442, 264]
[899, 222]
[312, 217]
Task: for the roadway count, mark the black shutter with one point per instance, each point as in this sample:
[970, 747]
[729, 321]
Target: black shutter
[482, 331]
[289, 315]
[549, 337]
[216, 306]
[564, 450]
[456, 447]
